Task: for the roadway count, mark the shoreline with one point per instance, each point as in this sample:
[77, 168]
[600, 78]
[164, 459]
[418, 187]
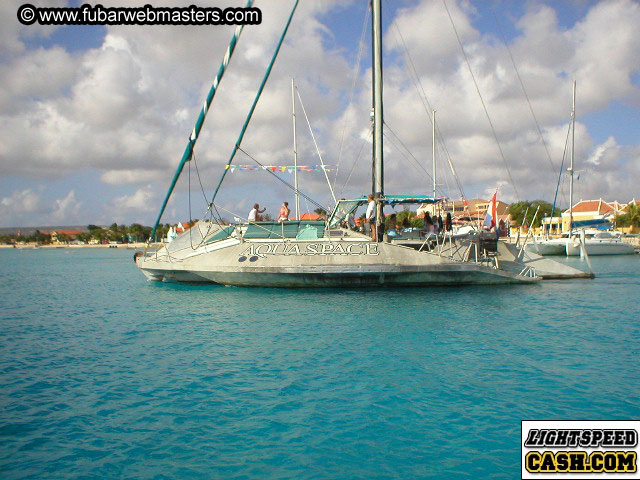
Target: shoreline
[129, 246]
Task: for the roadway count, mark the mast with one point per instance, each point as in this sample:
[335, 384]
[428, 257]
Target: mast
[378, 171]
[295, 148]
[573, 147]
[433, 148]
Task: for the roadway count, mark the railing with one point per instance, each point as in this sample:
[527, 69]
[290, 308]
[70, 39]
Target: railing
[479, 249]
[528, 271]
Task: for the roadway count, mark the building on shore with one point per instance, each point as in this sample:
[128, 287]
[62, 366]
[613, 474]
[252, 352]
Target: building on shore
[468, 212]
[586, 210]
[59, 237]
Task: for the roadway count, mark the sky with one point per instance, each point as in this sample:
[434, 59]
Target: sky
[94, 119]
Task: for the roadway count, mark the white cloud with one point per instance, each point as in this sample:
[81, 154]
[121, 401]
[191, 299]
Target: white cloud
[609, 149]
[21, 202]
[130, 176]
[125, 109]
[28, 207]
[66, 209]
[547, 56]
[13, 33]
[144, 199]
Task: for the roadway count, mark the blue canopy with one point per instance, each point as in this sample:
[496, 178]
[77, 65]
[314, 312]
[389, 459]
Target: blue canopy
[600, 223]
[345, 207]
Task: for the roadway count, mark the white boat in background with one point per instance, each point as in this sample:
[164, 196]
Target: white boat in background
[552, 246]
[581, 240]
[595, 243]
[601, 243]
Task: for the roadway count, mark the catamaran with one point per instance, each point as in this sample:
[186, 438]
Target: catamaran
[600, 243]
[324, 253]
[578, 241]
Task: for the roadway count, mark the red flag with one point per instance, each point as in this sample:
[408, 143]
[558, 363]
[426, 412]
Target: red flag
[492, 213]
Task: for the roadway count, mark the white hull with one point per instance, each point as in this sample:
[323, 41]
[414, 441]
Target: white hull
[548, 247]
[601, 247]
[571, 247]
[321, 262]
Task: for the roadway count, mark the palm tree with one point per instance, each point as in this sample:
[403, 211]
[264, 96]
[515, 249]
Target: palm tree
[631, 218]
[136, 231]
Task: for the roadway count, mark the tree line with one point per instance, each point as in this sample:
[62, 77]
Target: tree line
[114, 233]
[519, 211]
[525, 210]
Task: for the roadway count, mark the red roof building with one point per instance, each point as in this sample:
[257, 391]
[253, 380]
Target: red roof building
[588, 210]
[70, 233]
[184, 226]
[593, 207]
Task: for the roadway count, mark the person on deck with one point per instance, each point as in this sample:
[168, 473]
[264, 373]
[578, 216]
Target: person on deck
[254, 214]
[428, 223]
[392, 231]
[283, 216]
[448, 226]
[351, 221]
[371, 217]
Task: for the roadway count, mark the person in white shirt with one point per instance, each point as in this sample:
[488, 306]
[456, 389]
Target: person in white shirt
[254, 214]
[370, 217]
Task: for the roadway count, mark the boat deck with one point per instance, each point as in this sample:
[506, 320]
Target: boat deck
[545, 267]
[507, 258]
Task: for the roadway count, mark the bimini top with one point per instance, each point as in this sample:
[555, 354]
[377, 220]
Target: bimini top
[599, 223]
[344, 208]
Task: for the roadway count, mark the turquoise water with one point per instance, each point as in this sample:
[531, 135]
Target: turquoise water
[105, 375]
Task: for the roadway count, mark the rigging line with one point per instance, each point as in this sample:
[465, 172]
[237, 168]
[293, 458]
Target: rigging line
[209, 211]
[190, 215]
[203, 113]
[413, 73]
[356, 74]
[283, 181]
[403, 154]
[564, 154]
[219, 219]
[416, 165]
[195, 163]
[324, 170]
[484, 106]
[190, 220]
[446, 177]
[257, 225]
[307, 202]
[515, 67]
[255, 101]
[409, 152]
[353, 166]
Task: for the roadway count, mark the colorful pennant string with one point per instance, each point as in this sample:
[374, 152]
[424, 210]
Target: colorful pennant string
[279, 168]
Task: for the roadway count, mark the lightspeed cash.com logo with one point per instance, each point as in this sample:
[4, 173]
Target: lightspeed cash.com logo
[580, 449]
